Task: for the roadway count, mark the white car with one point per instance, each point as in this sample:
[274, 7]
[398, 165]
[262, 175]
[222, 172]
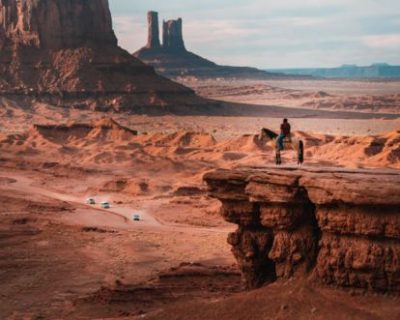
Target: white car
[136, 217]
[105, 205]
[90, 201]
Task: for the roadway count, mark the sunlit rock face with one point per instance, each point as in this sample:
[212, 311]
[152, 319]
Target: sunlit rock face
[56, 23]
[340, 226]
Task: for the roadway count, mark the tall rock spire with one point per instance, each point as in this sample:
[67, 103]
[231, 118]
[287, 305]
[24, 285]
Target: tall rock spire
[153, 40]
[172, 35]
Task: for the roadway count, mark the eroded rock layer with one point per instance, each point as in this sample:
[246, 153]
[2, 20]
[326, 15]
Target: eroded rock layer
[56, 24]
[340, 226]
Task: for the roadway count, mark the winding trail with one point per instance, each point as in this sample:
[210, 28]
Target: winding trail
[92, 215]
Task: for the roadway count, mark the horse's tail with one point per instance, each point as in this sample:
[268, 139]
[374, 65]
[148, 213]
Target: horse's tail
[301, 152]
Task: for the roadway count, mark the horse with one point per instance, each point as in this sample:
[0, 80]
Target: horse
[289, 144]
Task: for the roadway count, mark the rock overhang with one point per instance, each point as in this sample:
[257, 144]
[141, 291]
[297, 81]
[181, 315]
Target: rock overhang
[321, 221]
[323, 186]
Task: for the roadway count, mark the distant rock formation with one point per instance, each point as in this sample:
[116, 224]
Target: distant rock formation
[340, 226]
[173, 60]
[374, 71]
[65, 52]
[172, 35]
[153, 40]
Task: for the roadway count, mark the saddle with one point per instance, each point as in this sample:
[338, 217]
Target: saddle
[288, 139]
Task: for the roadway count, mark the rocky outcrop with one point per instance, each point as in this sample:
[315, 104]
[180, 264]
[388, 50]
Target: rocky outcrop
[173, 60]
[172, 35]
[153, 40]
[56, 24]
[340, 226]
[64, 52]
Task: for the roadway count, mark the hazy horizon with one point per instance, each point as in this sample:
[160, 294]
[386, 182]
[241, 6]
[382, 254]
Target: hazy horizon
[277, 34]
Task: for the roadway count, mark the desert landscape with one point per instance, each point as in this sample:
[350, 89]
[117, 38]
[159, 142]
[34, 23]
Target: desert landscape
[128, 195]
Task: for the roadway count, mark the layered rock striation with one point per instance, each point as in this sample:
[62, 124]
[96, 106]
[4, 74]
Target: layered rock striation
[56, 24]
[65, 52]
[342, 227]
[173, 60]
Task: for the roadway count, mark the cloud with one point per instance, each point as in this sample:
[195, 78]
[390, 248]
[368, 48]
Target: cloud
[214, 31]
[131, 33]
[382, 41]
[301, 21]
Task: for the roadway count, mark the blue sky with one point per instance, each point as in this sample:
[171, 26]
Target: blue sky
[273, 33]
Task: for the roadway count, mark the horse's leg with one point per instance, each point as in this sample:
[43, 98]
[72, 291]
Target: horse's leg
[261, 137]
[295, 147]
[300, 152]
[278, 159]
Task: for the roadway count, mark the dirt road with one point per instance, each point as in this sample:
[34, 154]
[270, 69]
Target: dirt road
[117, 216]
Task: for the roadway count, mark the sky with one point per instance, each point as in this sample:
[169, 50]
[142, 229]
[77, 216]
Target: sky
[272, 33]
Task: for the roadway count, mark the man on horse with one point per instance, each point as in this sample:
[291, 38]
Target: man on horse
[285, 133]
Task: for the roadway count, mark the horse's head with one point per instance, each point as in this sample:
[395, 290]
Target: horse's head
[267, 135]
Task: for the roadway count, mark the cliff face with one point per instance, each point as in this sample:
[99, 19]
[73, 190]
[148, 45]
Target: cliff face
[65, 52]
[57, 24]
[342, 227]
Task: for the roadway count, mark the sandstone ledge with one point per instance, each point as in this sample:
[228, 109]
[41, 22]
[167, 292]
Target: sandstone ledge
[340, 226]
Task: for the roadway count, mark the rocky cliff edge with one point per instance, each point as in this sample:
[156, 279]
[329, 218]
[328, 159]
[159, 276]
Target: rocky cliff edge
[339, 227]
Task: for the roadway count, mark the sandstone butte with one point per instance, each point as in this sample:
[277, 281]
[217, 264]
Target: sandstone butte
[172, 59]
[65, 52]
[334, 226]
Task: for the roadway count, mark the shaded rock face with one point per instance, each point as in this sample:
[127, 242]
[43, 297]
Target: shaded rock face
[172, 35]
[342, 227]
[153, 40]
[57, 24]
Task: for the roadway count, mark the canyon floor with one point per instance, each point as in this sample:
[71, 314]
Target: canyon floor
[63, 258]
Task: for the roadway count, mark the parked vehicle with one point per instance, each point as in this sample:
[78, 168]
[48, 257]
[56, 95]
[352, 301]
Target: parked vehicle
[90, 201]
[105, 205]
[136, 217]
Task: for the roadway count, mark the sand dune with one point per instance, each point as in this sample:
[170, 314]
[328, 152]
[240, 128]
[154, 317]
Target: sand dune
[374, 151]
